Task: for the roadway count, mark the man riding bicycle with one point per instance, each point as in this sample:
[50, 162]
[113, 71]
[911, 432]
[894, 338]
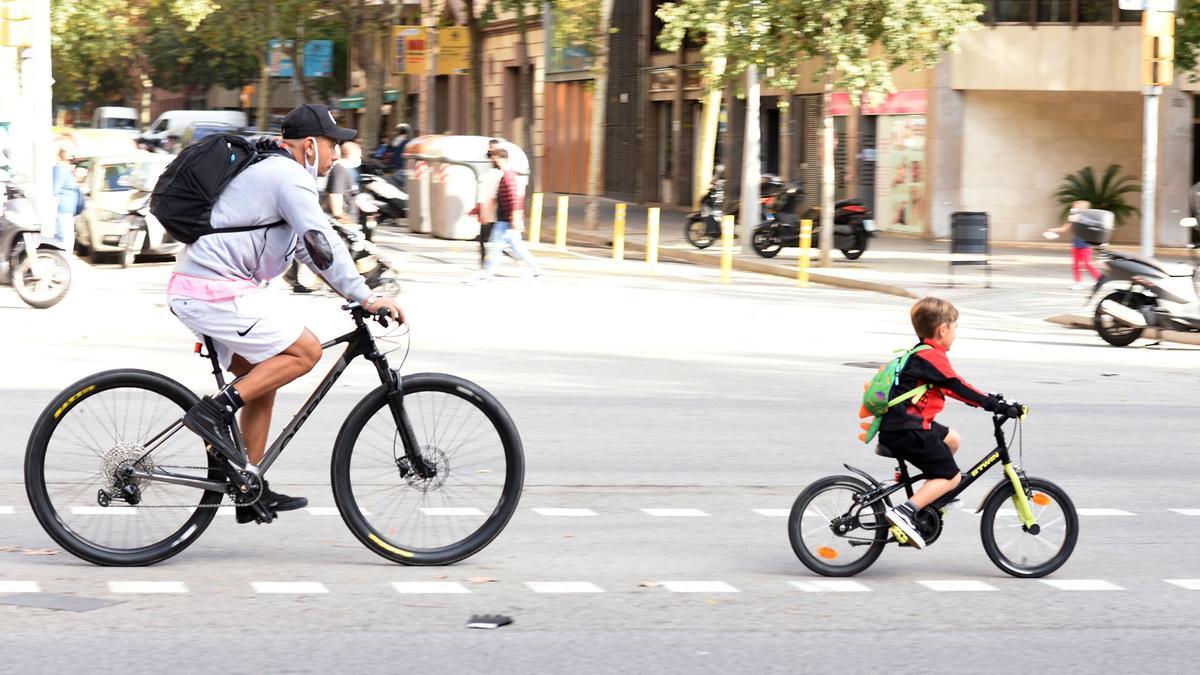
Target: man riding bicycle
[216, 288]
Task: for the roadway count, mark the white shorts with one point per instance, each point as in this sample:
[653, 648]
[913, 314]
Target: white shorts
[248, 325]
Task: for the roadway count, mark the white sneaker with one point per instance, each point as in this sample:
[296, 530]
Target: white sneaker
[1079, 286]
[903, 519]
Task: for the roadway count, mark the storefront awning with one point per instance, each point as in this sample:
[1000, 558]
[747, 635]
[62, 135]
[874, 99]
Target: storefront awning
[358, 99]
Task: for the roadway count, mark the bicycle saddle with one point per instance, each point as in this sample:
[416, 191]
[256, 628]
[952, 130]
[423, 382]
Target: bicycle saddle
[883, 451]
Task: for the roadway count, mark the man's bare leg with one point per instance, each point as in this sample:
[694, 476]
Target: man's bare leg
[261, 381]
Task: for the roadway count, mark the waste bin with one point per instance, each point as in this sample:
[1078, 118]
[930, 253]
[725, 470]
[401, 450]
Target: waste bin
[969, 243]
[416, 172]
[449, 183]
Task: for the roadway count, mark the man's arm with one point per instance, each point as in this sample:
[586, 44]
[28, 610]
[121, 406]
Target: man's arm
[320, 247]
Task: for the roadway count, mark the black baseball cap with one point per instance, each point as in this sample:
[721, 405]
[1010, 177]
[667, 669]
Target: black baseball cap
[314, 119]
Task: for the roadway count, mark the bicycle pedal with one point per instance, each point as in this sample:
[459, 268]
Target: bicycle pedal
[899, 535]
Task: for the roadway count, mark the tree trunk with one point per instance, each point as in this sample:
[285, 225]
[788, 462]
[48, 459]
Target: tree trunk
[526, 94]
[733, 144]
[475, 97]
[305, 86]
[751, 166]
[368, 59]
[599, 113]
[827, 177]
[263, 116]
[706, 157]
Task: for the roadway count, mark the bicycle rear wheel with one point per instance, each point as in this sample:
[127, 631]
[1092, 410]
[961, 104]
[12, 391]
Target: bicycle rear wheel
[830, 533]
[86, 438]
[465, 433]
[1020, 552]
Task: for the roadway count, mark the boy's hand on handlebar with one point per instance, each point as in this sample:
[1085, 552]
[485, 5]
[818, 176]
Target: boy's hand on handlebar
[1014, 410]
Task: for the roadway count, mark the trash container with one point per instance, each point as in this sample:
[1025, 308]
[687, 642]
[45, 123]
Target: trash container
[446, 171]
[416, 172]
[969, 243]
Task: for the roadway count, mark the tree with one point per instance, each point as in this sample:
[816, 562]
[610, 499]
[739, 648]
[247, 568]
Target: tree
[1187, 38]
[588, 24]
[368, 23]
[858, 43]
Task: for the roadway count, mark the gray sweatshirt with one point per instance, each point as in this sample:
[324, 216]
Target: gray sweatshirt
[274, 189]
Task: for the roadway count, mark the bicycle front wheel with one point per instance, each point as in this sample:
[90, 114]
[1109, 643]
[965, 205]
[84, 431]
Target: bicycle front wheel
[1019, 551]
[830, 533]
[82, 446]
[466, 435]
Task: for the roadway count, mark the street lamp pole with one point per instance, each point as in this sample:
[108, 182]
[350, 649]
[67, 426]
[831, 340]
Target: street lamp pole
[1158, 52]
[1149, 166]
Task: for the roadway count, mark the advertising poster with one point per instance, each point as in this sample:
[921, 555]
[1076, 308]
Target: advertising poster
[410, 50]
[318, 58]
[454, 50]
[281, 59]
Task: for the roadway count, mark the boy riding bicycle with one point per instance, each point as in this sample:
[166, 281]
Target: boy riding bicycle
[909, 429]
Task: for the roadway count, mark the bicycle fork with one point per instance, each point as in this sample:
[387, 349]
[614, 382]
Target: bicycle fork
[412, 448]
[1022, 497]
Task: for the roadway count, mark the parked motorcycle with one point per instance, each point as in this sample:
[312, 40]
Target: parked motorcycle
[852, 225]
[703, 227]
[391, 201]
[36, 268]
[146, 235]
[1149, 293]
[370, 262]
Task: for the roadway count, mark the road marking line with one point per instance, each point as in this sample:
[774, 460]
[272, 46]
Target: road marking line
[294, 587]
[102, 511]
[830, 586]
[1189, 584]
[563, 587]
[674, 513]
[773, 513]
[957, 585]
[564, 513]
[7, 510]
[1187, 512]
[20, 587]
[450, 511]
[698, 587]
[423, 587]
[323, 511]
[147, 587]
[1081, 584]
[1103, 512]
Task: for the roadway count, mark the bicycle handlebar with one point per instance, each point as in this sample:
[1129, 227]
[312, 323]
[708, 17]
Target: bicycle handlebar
[381, 315]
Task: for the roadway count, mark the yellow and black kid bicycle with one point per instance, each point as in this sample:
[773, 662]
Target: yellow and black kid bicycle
[1028, 525]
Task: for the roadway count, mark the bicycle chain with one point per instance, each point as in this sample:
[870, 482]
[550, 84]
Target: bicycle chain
[218, 505]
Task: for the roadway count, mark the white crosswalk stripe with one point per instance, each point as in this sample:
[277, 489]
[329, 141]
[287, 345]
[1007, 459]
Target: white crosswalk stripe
[429, 587]
[674, 513]
[147, 587]
[1187, 512]
[830, 586]
[957, 585]
[564, 513]
[698, 587]
[563, 587]
[1081, 584]
[289, 587]
[19, 586]
[1103, 512]
[450, 511]
[773, 513]
[102, 511]
[1187, 584]
[7, 510]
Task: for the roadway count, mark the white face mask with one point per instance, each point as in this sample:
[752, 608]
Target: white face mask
[312, 168]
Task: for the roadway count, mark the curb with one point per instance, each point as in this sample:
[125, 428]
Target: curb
[698, 258]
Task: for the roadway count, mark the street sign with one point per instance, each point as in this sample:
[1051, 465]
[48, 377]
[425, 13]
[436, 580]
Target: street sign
[410, 50]
[318, 58]
[454, 50]
[1151, 5]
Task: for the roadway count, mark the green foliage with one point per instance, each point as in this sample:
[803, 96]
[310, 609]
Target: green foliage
[1187, 38]
[1108, 194]
[859, 42]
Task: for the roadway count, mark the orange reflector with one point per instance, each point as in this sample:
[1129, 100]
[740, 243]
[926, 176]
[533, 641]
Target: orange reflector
[198, 347]
[1040, 499]
[827, 553]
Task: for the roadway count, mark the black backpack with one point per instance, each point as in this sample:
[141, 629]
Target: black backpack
[184, 196]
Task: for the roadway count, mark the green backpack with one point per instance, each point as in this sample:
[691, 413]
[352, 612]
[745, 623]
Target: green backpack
[876, 397]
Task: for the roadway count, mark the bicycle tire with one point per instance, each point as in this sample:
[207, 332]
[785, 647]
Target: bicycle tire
[381, 542]
[59, 411]
[988, 534]
[796, 533]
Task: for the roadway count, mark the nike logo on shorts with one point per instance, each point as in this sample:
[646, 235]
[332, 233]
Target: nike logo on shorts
[242, 333]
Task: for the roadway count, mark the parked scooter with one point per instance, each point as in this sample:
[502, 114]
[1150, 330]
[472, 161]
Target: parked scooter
[376, 268]
[703, 227]
[36, 268]
[852, 225]
[1149, 293]
[392, 202]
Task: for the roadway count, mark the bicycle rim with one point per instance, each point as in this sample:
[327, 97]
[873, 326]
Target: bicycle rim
[94, 431]
[465, 434]
[1020, 552]
[819, 546]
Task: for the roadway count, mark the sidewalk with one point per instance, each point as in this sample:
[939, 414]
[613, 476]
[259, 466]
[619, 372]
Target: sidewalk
[1028, 279]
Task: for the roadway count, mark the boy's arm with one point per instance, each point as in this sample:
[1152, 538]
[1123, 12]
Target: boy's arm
[933, 367]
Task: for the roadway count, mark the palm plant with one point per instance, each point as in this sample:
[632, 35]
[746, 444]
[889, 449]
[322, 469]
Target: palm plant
[1108, 194]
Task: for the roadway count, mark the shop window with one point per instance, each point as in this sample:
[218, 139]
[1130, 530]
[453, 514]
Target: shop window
[1054, 11]
[1095, 11]
[1057, 11]
[1011, 10]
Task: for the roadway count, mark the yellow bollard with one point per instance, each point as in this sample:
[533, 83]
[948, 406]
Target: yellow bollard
[560, 225]
[535, 219]
[652, 237]
[805, 248]
[619, 234]
[726, 249]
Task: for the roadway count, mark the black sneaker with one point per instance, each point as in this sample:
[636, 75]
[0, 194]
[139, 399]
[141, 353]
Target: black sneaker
[280, 502]
[211, 421]
[904, 518]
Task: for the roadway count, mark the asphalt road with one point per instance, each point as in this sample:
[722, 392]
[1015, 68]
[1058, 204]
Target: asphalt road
[673, 419]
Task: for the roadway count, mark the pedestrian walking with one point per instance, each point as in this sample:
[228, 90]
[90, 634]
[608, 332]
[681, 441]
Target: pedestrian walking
[485, 209]
[1081, 251]
[510, 218]
[68, 197]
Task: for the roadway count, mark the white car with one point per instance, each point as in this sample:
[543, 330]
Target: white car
[116, 185]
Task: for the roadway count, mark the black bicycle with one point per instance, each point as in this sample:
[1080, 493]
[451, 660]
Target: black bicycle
[837, 526]
[427, 469]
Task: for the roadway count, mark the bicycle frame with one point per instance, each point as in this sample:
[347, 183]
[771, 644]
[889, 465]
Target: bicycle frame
[1000, 455]
[359, 342]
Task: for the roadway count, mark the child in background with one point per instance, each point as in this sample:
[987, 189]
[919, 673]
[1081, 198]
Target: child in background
[1081, 252]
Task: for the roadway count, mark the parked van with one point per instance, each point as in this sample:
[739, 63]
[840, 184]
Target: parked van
[113, 117]
[176, 122]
